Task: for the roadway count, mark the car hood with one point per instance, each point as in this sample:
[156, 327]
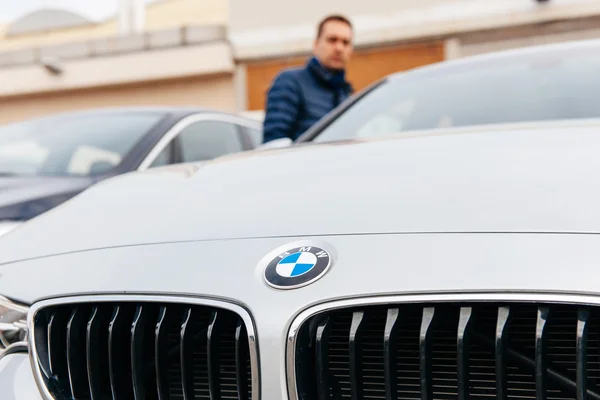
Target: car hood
[367, 265]
[15, 190]
[540, 179]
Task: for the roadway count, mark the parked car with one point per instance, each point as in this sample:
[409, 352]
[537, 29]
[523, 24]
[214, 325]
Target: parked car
[544, 83]
[46, 161]
[451, 263]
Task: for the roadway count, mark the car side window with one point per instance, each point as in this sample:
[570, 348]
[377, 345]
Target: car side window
[164, 157]
[255, 136]
[205, 140]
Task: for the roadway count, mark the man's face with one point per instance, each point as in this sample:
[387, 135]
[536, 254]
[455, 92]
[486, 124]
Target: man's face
[334, 47]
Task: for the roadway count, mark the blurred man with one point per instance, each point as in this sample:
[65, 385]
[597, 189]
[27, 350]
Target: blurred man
[299, 97]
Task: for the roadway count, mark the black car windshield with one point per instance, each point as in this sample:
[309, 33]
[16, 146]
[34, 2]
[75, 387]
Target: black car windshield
[547, 85]
[75, 144]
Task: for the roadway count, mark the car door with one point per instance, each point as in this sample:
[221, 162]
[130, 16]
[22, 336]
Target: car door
[201, 137]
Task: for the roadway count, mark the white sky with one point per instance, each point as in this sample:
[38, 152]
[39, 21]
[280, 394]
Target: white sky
[92, 9]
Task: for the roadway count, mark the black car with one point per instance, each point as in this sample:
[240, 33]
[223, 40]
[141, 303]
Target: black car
[46, 161]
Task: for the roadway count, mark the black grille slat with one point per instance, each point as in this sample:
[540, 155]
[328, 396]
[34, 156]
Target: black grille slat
[186, 345]
[56, 351]
[161, 351]
[42, 335]
[355, 354]
[425, 353]
[97, 354]
[92, 352]
[170, 354]
[242, 357]
[482, 366]
[541, 366]
[119, 361]
[322, 349]
[57, 342]
[583, 318]
[138, 352]
[200, 323]
[228, 382]
[53, 344]
[213, 360]
[76, 350]
[390, 353]
[465, 323]
[448, 350]
[504, 318]
[143, 350]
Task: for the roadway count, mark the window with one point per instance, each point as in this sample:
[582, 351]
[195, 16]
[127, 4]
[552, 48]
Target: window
[206, 140]
[164, 157]
[255, 136]
[74, 144]
[553, 85]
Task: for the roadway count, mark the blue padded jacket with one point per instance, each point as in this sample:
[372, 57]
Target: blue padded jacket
[299, 97]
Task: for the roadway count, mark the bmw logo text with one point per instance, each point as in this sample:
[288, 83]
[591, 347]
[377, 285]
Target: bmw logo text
[297, 267]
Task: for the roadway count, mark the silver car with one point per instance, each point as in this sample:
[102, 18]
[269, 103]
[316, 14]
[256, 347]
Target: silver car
[47, 160]
[441, 263]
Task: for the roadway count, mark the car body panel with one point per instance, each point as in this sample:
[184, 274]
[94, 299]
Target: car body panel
[521, 180]
[21, 189]
[8, 226]
[396, 263]
[16, 378]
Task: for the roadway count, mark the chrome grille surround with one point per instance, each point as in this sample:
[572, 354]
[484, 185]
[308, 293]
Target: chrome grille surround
[555, 298]
[240, 310]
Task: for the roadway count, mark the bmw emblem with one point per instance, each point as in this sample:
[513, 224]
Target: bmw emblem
[297, 267]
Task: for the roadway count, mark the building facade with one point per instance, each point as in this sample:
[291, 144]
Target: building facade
[396, 35]
[224, 54]
[183, 57]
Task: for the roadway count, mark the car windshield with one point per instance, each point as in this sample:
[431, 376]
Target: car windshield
[550, 85]
[71, 145]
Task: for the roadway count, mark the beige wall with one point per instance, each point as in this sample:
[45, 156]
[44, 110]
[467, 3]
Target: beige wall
[199, 74]
[278, 31]
[164, 14]
[212, 91]
[277, 13]
[485, 42]
[90, 72]
[252, 15]
[366, 67]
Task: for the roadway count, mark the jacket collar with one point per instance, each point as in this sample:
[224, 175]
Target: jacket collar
[334, 79]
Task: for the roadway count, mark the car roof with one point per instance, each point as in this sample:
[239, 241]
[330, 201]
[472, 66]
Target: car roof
[176, 112]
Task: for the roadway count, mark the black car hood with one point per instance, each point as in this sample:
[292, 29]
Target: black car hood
[16, 192]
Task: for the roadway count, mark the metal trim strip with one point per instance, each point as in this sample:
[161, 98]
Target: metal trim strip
[186, 122]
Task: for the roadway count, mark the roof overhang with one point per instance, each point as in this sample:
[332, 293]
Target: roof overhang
[443, 20]
[136, 67]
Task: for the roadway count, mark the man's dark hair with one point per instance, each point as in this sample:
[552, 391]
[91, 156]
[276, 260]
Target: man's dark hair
[334, 17]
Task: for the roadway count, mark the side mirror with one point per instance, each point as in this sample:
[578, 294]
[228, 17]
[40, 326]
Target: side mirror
[276, 144]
